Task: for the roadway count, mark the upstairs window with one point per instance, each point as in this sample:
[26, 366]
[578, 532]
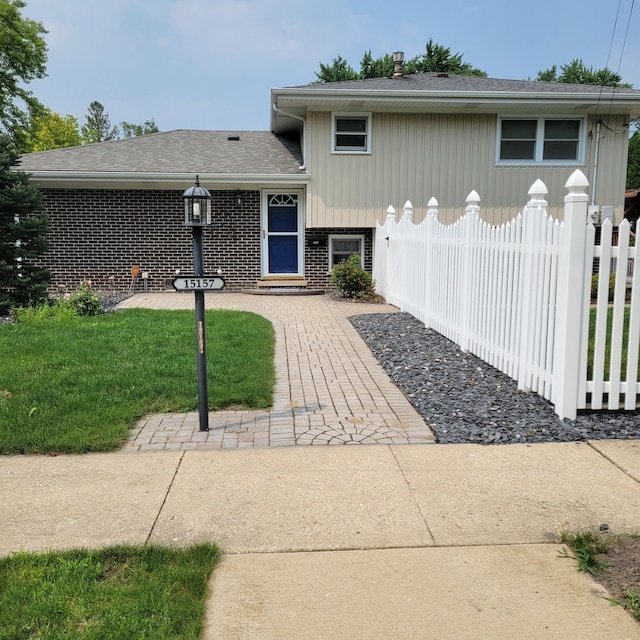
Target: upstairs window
[351, 133]
[540, 140]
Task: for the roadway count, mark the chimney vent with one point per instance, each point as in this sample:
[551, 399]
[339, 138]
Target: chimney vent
[398, 62]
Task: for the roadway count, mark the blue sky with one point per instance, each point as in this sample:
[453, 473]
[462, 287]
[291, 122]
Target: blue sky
[210, 64]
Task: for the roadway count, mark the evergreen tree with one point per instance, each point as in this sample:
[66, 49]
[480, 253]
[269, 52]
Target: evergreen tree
[98, 128]
[23, 227]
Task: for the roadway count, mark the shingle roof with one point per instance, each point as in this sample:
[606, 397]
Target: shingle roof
[437, 82]
[255, 153]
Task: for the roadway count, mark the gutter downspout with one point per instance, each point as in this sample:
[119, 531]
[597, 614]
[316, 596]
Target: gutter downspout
[595, 163]
[303, 166]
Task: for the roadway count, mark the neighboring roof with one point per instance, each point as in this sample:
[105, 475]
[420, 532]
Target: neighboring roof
[171, 158]
[442, 93]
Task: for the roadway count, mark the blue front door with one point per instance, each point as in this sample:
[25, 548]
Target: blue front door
[282, 246]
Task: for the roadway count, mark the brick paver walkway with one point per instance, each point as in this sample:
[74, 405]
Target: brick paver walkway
[329, 388]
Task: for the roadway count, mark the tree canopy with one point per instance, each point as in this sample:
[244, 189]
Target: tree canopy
[50, 130]
[435, 59]
[23, 57]
[633, 161]
[131, 130]
[576, 72]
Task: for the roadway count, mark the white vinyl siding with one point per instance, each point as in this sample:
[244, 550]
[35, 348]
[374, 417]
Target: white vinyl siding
[418, 156]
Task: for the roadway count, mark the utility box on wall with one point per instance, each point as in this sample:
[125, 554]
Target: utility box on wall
[316, 241]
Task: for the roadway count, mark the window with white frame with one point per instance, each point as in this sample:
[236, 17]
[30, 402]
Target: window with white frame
[351, 133]
[540, 140]
[342, 246]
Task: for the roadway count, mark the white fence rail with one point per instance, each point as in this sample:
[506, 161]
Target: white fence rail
[519, 295]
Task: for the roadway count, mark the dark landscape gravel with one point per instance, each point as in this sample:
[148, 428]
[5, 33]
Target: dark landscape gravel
[463, 399]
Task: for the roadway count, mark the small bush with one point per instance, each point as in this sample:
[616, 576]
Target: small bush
[350, 279]
[594, 286]
[82, 302]
[85, 300]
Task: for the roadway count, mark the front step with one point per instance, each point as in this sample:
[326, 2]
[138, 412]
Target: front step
[283, 287]
[268, 283]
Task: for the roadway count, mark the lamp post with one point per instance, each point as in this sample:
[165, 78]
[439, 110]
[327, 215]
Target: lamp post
[197, 215]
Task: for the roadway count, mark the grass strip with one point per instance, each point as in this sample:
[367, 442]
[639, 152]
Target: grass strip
[73, 385]
[591, 549]
[113, 593]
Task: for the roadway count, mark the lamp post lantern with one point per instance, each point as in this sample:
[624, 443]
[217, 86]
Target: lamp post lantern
[197, 215]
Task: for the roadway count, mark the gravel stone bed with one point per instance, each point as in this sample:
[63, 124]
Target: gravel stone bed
[463, 399]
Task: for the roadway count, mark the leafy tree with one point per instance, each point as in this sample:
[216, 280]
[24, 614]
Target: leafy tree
[337, 71]
[633, 162]
[50, 130]
[97, 127]
[576, 72]
[131, 130]
[23, 56]
[439, 59]
[23, 227]
[435, 59]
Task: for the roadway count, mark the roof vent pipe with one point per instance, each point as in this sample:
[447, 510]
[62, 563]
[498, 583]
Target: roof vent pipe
[398, 62]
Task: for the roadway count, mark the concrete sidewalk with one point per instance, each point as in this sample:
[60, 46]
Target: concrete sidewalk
[399, 538]
[376, 541]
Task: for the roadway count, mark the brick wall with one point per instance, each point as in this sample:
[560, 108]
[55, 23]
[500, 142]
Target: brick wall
[317, 257]
[99, 234]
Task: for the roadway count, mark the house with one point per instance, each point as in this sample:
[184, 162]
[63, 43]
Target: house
[290, 203]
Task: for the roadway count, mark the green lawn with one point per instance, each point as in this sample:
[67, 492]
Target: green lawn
[607, 355]
[78, 384]
[110, 594]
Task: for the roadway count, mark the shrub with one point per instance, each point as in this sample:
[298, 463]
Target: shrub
[594, 286]
[85, 300]
[82, 302]
[352, 280]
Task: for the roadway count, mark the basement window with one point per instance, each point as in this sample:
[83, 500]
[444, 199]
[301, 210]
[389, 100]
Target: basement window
[341, 247]
[351, 133]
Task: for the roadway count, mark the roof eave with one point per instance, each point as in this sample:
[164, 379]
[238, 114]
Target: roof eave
[113, 180]
[618, 103]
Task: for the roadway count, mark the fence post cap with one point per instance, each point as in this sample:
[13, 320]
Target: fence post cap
[432, 203]
[473, 197]
[577, 181]
[391, 211]
[408, 205]
[538, 188]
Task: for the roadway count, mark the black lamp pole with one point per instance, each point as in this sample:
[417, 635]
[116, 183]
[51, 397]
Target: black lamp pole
[197, 201]
[201, 339]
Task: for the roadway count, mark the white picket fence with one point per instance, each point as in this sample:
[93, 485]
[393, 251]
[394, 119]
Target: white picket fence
[519, 295]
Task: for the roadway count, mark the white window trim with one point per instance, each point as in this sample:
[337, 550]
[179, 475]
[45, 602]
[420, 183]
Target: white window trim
[347, 114]
[343, 236]
[540, 142]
